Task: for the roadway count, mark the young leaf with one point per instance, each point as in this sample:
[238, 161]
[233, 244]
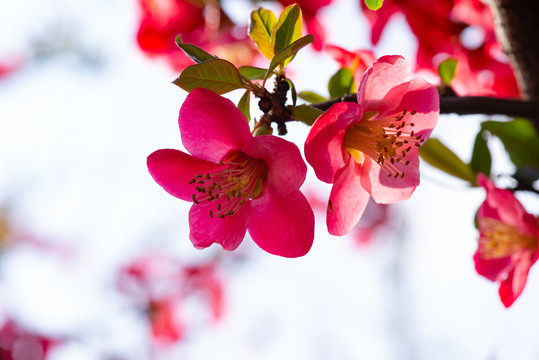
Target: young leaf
[447, 69]
[293, 92]
[253, 73]
[306, 114]
[288, 29]
[217, 75]
[481, 159]
[519, 139]
[261, 24]
[374, 4]
[311, 97]
[342, 83]
[439, 156]
[194, 52]
[287, 52]
[245, 105]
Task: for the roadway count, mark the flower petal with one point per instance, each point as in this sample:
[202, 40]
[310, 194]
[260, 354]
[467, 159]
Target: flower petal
[386, 189]
[211, 125]
[347, 200]
[286, 168]
[491, 269]
[384, 74]
[173, 169]
[282, 226]
[324, 147]
[512, 286]
[229, 231]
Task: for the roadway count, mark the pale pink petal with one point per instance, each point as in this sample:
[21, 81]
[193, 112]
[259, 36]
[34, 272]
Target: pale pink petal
[386, 189]
[229, 231]
[347, 200]
[211, 125]
[282, 226]
[173, 169]
[324, 148]
[286, 168]
[384, 74]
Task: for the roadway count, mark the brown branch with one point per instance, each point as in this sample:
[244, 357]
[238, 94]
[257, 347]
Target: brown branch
[467, 105]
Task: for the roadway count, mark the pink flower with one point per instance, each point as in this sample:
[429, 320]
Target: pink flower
[237, 182]
[370, 148]
[508, 238]
[357, 61]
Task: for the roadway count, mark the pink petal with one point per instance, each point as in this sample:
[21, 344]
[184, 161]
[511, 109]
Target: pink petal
[384, 74]
[211, 125]
[491, 269]
[388, 189]
[229, 231]
[324, 148]
[347, 200]
[282, 226]
[173, 169]
[511, 288]
[286, 168]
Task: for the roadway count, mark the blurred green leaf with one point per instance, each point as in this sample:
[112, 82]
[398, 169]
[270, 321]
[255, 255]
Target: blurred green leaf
[253, 73]
[293, 92]
[194, 52]
[374, 4]
[311, 97]
[245, 105]
[438, 155]
[341, 83]
[481, 159]
[306, 114]
[261, 25]
[519, 139]
[217, 75]
[287, 52]
[447, 69]
[287, 30]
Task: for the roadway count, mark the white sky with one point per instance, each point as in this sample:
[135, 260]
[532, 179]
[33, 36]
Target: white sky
[73, 147]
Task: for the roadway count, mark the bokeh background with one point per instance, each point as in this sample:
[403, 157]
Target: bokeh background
[95, 260]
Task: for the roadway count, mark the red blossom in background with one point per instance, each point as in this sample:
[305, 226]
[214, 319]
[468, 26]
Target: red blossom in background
[357, 61]
[236, 182]
[161, 285]
[508, 239]
[17, 343]
[438, 26]
[370, 148]
[205, 25]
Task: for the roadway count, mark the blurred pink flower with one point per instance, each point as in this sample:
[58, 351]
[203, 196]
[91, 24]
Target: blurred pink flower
[370, 148]
[18, 343]
[358, 61]
[508, 238]
[237, 182]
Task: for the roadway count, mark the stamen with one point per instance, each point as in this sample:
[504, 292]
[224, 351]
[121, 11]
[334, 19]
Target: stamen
[500, 240]
[238, 181]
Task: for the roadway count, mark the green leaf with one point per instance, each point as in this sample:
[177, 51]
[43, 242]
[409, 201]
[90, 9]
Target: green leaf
[245, 105]
[287, 52]
[217, 75]
[342, 83]
[311, 97]
[261, 25]
[288, 29]
[519, 139]
[374, 4]
[447, 69]
[194, 52]
[293, 91]
[439, 156]
[253, 73]
[481, 159]
[306, 114]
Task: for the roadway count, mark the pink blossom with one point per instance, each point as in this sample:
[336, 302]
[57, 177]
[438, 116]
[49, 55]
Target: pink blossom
[357, 61]
[370, 148]
[508, 238]
[236, 182]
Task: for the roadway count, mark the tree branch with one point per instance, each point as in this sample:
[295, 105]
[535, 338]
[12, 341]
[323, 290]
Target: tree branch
[467, 105]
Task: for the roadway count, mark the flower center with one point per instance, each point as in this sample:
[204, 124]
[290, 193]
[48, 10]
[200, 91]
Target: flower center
[498, 240]
[386, 141]
[239, 180]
